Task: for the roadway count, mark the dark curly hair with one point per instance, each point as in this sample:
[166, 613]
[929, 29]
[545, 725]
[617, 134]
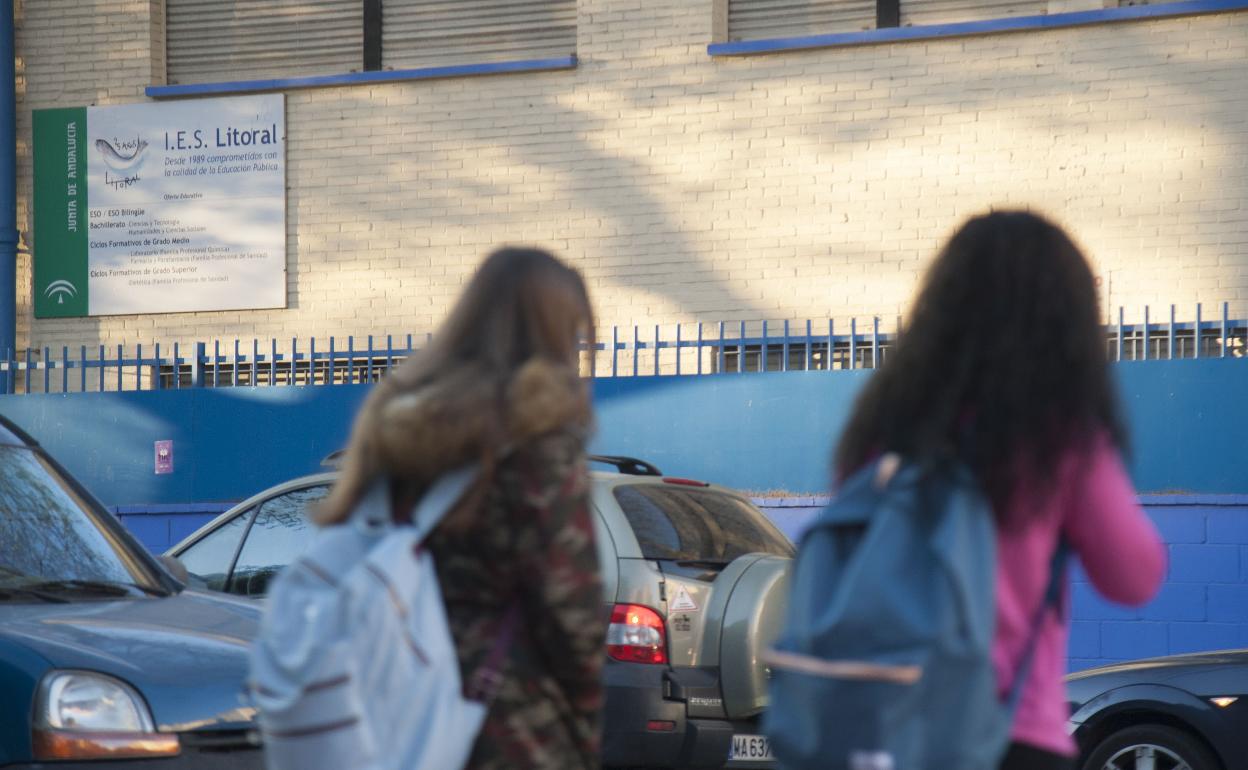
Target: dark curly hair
[1002, 363]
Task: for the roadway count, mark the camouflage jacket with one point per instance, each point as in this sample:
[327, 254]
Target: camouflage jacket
[531, 542]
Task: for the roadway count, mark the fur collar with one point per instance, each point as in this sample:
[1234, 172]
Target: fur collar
[445, 424]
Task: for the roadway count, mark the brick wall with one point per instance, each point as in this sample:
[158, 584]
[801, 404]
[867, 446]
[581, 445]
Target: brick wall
[1204, 602]
[805, 184]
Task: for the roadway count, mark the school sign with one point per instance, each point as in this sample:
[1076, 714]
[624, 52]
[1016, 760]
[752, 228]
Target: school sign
[160, 207]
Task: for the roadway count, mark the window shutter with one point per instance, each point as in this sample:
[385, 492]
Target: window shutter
[926, 12]
[763, 19]
[435, 33]
[219, 40]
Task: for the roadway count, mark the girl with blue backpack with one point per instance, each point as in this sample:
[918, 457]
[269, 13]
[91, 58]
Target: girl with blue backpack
[928, 604]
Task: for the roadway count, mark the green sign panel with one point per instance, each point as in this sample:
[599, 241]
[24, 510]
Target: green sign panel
[61, 213]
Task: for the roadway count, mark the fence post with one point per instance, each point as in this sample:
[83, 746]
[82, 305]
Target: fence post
[719, 369]
[699, 347]
[853, 343]
[808, 346]
[1226, 308]
[831, 342]
[762, 358]
[875, 342]
[656, 350]
[1119, 345]
[784, 350]
[1170, 343]
[197, 364]
[1196, 354]
[678, 349]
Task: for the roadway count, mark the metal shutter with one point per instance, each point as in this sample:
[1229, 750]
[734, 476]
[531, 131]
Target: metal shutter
[215, 40]
[434, 33]
[924, 12]
[763, 19]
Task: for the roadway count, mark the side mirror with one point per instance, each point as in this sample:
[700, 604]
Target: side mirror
[175, 568]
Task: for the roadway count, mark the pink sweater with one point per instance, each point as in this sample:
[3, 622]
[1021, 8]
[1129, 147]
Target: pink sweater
[1093, 504]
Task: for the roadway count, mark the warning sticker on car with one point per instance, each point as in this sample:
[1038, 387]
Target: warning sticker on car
[682, 601]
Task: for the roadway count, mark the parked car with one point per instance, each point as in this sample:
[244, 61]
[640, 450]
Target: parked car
[105, 660]
[695, 583]
[1184, 712]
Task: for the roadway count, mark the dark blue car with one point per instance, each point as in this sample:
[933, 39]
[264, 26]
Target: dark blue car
[105, 660]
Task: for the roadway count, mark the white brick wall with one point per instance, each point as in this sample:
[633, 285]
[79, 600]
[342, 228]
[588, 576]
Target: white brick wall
[805, 184]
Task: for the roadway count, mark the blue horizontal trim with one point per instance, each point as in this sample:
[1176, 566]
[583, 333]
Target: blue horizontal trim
[990, 26]
[361, 78]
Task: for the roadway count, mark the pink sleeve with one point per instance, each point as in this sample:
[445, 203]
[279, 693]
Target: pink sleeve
[1116, 542]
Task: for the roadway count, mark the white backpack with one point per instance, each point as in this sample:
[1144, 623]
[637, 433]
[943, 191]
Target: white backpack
[355, 666]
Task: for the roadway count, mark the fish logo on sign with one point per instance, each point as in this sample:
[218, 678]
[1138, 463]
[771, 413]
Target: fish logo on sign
[121, 155]
[59, 290]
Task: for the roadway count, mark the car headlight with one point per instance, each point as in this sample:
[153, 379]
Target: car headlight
[85, 715]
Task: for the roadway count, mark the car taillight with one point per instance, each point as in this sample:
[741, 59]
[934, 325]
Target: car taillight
[636, 635]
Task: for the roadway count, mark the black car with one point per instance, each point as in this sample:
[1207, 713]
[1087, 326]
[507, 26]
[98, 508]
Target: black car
[1184, 712]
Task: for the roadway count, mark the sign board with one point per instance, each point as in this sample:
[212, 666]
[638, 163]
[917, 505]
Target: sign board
[160, 207]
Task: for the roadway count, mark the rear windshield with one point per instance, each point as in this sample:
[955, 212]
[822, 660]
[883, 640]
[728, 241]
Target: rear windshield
[687, 524]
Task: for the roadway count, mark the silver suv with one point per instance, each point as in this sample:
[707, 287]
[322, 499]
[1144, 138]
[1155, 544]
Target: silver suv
[695, 582]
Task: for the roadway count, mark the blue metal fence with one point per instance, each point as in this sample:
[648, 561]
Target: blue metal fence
[673, 349]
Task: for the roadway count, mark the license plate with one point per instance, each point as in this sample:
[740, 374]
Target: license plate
[750, 747]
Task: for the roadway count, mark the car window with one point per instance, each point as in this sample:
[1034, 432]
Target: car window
[208, 559]
[49, 533]
[280, 533]
[687, 524]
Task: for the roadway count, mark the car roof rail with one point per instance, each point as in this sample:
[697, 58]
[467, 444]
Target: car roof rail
[629, 466]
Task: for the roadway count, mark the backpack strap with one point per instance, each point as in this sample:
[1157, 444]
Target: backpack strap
[487, 680]
[371, 514]
[447, 490]
[1052, 599]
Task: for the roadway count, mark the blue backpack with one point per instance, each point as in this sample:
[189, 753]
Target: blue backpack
[885, 659]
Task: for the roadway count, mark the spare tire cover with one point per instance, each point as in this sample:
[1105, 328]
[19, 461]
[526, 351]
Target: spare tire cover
[753, 616]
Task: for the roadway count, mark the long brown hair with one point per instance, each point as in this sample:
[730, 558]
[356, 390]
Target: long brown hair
[522, 310]
[1002, 362]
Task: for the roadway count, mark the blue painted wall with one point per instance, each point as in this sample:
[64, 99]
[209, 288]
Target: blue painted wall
[752, 431]
[772, 431]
